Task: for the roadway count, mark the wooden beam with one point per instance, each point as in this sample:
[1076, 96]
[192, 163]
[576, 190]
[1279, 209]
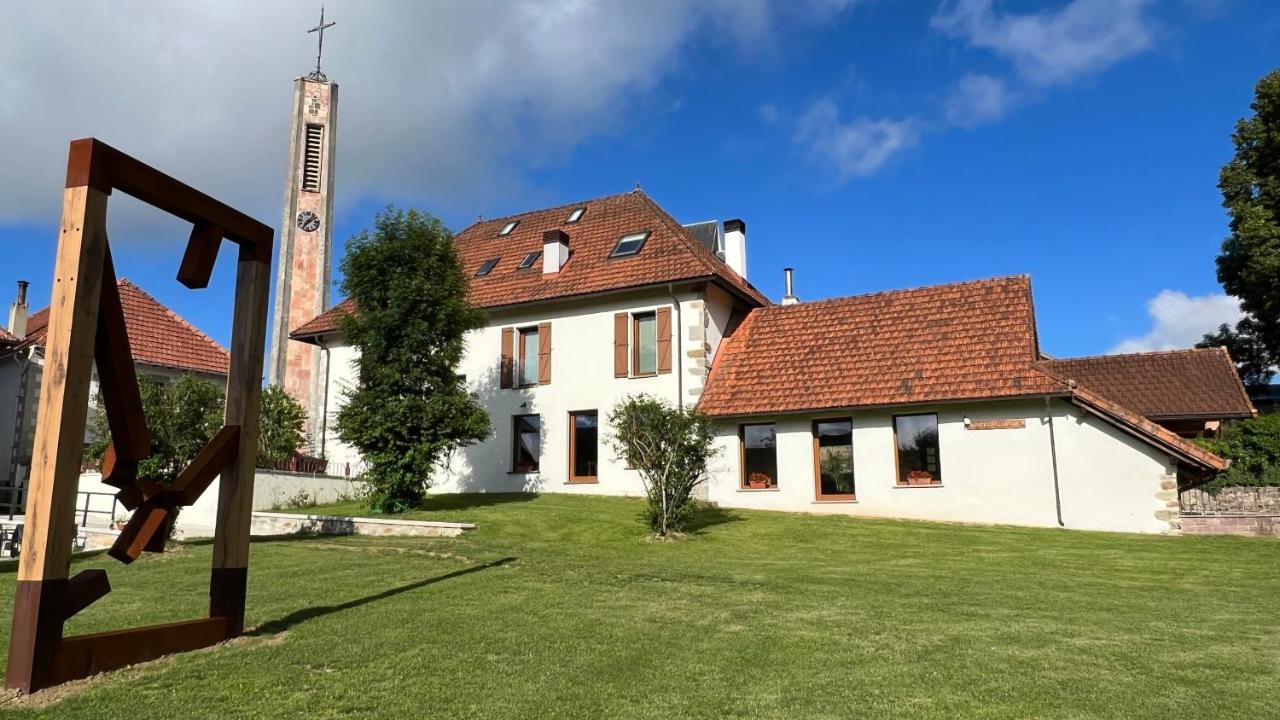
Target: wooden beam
[85, 655]
[244, 391]
[83, 590]
[200, 256]
[150, 518]
[117, 379]
[116, 472]
[212, 459]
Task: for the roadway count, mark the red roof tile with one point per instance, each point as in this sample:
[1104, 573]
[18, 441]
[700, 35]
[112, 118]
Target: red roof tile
[670, 254]
[971, 340]
[8, 338]
[1176, 384]
[157, 335]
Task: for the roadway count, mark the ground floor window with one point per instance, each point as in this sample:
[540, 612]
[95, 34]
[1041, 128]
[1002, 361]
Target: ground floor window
[833, 459]
[584, 437]
[759, 456]
[526, 447]
[919, 462]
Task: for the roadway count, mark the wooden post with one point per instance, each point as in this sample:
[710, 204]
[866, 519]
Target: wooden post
[229, 577]
[40, 602]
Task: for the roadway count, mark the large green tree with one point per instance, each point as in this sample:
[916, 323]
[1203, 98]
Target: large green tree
[1253, 361]
[408, 408]
[1249, 266]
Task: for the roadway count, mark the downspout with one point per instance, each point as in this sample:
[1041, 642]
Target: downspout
[679, 333]
[324, 412]
[1053, 452]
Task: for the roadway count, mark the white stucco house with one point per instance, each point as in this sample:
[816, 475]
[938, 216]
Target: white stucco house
[932, 403]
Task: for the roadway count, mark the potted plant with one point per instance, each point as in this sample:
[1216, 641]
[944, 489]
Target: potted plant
[920, 477]
[759, 481]
[121, 521]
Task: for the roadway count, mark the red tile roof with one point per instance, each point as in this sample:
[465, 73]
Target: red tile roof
[670, 254]
[157, 335]
[1170, 385]
[8, 338]
[1151, 432]
[973, 340]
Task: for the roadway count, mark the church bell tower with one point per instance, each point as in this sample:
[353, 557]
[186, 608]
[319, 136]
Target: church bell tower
[306, 239]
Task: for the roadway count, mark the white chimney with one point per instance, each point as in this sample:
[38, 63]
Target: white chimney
[735, 246]
[18, 312]
[555, 251]
[790, 298]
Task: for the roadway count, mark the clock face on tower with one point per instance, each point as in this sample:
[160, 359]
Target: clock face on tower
[308, 221]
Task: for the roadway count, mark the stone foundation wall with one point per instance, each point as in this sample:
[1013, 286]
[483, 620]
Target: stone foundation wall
[276, 523]
[1265, 500]
[1251, 525]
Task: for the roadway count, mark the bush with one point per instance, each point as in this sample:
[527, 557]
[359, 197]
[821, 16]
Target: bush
[1253, 446]
[671, 448]
[282, 427]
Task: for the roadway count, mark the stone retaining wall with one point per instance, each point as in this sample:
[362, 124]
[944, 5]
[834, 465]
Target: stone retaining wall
[278, 523]
[1233, 500]
[1252, 525]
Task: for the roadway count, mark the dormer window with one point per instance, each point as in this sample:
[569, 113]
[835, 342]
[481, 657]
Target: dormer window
[529, 260]
[506, 229]
[576, 215]
[629, 244]
[487, 267]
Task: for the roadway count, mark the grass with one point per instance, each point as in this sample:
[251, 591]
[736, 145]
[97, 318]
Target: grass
[557, 606]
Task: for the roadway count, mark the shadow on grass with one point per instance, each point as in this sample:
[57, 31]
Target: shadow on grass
[710, 516]
[467, 501]
[300, 616]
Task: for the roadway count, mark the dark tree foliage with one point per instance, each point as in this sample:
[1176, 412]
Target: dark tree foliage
[408, 408]
[1249, 266]
[1253, 446]
[1250, 355]
[282, 427]
[671, 448]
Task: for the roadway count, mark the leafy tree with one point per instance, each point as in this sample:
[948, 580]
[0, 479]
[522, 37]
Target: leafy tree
[282, 426]
[1249, 266]
[408, 408]
[1250, 355]
[671, 447]
[1253, 446]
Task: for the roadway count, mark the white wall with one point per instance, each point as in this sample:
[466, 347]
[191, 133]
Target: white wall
[1109, 480]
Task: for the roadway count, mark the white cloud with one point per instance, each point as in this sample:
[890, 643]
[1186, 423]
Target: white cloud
[1053, 46]
[854, 149]
[1179, 321]
[978, 99]
[447, 102]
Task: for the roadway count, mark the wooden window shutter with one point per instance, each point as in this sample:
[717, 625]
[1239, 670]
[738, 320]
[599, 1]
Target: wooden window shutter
[544, 353]
[664, 340]
[620, 345]
[506, 367]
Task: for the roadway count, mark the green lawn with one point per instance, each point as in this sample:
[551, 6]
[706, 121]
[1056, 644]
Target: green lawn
[557, 606]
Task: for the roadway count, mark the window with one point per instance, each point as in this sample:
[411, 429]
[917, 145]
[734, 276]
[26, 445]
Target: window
[918, 458]
[584, 435]
[759, 456]
[529, 260]
[576, 215]
[630, 244]
[644, 344]
[506, 229]
[487, 267]
[833, 459]
[311, 158]
[528, 367]
[526, 447]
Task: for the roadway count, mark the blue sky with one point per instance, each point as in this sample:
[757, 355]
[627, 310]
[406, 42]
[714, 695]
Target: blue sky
[869, 144]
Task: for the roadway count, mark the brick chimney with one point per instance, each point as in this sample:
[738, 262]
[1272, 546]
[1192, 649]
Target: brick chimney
[18, 312]
[555, 251]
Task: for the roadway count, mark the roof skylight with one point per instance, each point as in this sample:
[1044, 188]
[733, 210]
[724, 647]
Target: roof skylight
[487, 267]
[529, 260]
[577, 214]
[506, 229]
[629, 244]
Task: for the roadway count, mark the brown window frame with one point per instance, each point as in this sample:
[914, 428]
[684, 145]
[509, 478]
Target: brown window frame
[516, 467]
[817, 463]
[520, 357]
[897, 460]
[635, 343]
[742, 457]
[573, 449]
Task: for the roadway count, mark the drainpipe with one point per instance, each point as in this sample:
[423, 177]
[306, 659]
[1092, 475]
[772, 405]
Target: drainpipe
[1053, 452]
[324, 416]
[679, 333]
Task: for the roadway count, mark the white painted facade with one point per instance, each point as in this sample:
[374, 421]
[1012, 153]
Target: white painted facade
[1107, 479]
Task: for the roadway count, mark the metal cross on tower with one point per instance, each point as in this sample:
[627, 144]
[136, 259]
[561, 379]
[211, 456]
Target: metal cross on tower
[317, 75]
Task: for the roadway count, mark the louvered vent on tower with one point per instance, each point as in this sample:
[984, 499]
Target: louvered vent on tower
[311, 159]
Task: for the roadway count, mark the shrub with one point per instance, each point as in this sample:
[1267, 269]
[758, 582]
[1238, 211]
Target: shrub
[1253, 446]
[282, 427]
[671, 448]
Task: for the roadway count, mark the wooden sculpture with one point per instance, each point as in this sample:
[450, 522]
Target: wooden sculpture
[86, 324]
